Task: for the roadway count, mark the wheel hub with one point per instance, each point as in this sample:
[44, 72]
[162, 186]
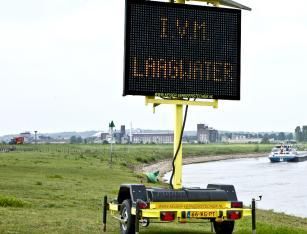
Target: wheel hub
[124, 219]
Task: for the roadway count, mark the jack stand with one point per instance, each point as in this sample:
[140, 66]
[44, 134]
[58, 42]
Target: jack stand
[254, 214]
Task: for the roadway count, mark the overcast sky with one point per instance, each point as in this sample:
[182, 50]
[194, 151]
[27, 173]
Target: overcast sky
[61, 69]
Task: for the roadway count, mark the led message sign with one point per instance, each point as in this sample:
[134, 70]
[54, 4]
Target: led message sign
[179, 50]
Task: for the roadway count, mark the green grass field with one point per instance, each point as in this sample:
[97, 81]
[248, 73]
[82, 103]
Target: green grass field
[58, 188]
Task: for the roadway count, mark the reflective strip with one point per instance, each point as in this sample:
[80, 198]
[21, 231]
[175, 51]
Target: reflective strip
[190, 205]
[155, 213]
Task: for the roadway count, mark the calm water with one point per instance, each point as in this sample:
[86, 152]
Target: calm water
[282, 185]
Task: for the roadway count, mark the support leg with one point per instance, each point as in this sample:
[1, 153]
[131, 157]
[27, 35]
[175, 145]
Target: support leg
[254, 216]
[137, 219]
[104, 214]
[177, 180]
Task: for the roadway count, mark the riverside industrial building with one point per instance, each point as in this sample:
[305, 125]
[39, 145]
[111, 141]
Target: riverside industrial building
[205, 134]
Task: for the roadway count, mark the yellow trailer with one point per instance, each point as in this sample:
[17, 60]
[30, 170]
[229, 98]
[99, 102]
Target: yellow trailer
[137, 205]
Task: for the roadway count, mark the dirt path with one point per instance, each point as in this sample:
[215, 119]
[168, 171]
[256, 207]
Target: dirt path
[166, 165]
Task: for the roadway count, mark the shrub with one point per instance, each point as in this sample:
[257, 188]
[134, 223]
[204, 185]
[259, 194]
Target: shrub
[6, 201]
[141, 160]
[55, 176]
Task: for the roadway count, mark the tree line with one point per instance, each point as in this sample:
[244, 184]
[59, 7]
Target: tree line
[301, 134]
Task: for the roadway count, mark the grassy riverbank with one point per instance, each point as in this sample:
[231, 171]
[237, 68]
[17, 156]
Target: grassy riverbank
[136, 154]
[58, 189]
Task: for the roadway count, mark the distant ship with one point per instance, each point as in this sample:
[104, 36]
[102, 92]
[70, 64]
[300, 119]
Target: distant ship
[286, 153]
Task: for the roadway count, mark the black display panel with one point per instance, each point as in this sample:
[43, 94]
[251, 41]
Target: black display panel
[179, 50]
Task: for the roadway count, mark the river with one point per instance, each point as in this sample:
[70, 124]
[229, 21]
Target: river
[283, 186]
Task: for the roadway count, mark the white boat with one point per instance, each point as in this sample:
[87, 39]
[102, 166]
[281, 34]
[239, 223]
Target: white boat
[286, 153]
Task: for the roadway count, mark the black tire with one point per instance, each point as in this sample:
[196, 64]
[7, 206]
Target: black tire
[225, 227]
[127, 226]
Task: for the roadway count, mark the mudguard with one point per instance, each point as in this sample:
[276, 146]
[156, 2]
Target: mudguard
[133, 192]
[229, 189]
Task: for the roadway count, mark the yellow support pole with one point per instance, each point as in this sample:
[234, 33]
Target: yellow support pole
[177, 180]
[178, 104]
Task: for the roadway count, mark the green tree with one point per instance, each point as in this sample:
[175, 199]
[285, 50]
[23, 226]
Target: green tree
[73, 140]
[265, 139]
[289, 136]
[298, 134]
[273, 136]
[76, 140]
[304, 133]
[260, 135]
[281, 136]
[79, 140]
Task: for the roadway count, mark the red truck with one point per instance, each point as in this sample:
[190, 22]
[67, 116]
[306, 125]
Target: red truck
[17, 141]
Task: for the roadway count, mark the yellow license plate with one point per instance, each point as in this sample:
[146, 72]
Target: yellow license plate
[202, 214]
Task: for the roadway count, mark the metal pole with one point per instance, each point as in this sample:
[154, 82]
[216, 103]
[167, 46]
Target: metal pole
[35, 137]
[111, 151]
[111, 147]
[254, 216]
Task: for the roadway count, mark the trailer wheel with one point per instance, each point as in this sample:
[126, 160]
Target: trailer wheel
[225, 227]
[145, 222]
[127, 224]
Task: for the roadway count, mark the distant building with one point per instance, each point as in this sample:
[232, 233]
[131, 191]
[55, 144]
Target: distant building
[206, 134]
[213, 135]
[121, 137]
[124, 138]
[236, 138]
[118, 137]
[122, 130]
[42, 139]
[149, 138]
[27, 137]
[104, 136]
